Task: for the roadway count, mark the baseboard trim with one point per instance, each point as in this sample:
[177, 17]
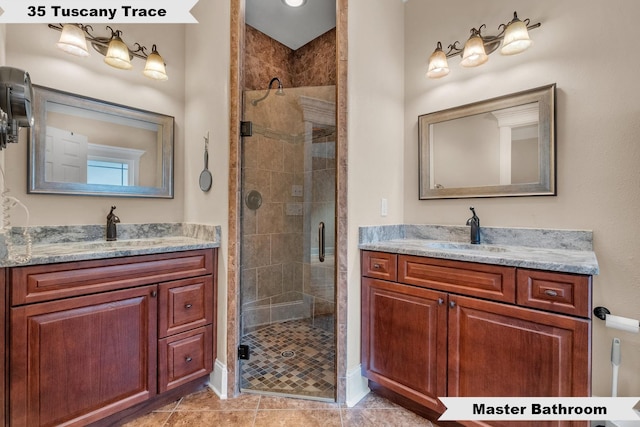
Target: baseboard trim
[218, 380]
[357, 387]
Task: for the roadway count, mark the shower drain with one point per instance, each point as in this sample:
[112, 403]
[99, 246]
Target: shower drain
[288, 353]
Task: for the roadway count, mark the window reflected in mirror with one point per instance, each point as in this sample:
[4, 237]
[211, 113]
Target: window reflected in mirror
[86, 146]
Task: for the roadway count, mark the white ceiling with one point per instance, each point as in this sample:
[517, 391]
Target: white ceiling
[292, 26]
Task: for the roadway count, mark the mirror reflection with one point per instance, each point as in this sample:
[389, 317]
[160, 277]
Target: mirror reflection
[497, 147]
[86, 146]
[494, 148]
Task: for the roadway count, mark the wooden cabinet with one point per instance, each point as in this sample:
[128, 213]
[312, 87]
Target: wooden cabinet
[3, 384]
[122, 332]
[450, 328]
[404, 339]
[186, 347]
[82, 358]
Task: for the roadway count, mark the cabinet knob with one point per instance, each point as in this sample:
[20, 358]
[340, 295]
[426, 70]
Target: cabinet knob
[154, 294]
[440, 301]
[188, 359]
[551, 293]
[452, 304]
[376, 266]
[188, 306]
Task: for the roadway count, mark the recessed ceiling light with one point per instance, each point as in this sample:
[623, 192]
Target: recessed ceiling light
[294, 3]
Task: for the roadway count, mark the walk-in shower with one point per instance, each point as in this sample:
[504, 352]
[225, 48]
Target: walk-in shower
[287, 281]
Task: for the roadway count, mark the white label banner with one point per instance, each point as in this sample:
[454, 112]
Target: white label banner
[85, 12]
[541, 408]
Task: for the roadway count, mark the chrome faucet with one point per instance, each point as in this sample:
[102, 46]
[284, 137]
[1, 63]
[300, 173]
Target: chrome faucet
[112, 220]
[474, 222]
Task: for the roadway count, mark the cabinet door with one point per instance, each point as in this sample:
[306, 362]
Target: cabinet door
[184, 305]
[77, 360]
[404, 340]
[497, 350]
[3, 382]
[184, 357]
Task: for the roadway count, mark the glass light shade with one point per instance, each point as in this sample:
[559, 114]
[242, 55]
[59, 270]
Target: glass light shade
[474, 54]
[154, 68]
[118, 54]
[72, 40]
[516, 38]
[294, 3]
[438, 65]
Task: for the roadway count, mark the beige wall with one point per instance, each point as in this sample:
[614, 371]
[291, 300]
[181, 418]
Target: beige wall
[207, 110]
[598, 154]
[32, 48]
[375, 128]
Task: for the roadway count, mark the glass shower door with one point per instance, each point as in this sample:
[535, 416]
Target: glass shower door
[287, 281]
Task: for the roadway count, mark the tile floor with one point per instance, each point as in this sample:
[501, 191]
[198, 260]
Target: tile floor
[204, 408]
[290, 358]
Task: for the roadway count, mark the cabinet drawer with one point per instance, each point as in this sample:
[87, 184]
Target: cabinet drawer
[558, 292]
[185, 357]
[492, 282]
[47, 282]
[379, 265]
[185, 304]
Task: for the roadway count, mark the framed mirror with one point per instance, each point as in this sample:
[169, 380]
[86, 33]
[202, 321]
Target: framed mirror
[84, 146]
[499, 147]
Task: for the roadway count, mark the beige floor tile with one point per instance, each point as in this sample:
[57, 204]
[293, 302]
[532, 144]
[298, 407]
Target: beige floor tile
[382, 418]
[154, 419]
[298, 418]
[211, 418]
[275, 402]
[372, 400]
[207, 400]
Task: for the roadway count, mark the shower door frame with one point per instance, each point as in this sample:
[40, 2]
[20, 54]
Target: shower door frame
[235, 197]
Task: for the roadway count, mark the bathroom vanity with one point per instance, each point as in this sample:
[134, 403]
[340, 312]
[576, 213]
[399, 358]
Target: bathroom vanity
[125, 328]
[442, 318]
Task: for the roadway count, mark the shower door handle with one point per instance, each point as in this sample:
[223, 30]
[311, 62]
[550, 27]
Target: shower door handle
[321, 241]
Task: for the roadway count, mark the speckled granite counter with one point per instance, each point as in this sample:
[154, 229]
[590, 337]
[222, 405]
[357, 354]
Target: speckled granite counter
[52, 244]
[568, 251]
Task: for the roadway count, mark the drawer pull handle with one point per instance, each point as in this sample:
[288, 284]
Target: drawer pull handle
[551, 293]
[188, 359]
[188, 306]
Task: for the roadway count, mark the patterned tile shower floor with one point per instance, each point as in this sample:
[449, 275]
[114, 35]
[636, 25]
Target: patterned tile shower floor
[291, 358]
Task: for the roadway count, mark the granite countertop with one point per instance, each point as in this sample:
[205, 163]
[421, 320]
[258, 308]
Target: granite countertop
[567, 251]
[75, 243]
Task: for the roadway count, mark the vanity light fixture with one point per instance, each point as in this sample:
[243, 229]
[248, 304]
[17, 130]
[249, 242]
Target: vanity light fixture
[116, 53]
[514, 37]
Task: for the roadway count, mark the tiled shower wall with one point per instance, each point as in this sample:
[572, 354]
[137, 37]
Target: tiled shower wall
[314, 64]
[291, 163]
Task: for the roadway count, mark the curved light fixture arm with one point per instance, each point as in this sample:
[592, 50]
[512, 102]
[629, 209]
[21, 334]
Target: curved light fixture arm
[491, 43]
[101, 44]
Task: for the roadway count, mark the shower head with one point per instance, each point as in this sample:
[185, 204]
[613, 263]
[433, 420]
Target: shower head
[279, 91]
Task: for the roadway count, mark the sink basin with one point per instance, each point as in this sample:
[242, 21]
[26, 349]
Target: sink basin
[450, 246]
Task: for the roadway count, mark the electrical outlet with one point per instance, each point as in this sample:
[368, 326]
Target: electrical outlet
[384, 207]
